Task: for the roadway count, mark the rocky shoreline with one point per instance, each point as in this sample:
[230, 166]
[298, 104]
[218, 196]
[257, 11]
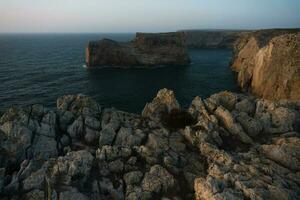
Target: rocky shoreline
[228, 146]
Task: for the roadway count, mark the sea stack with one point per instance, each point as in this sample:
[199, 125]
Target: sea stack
[146, 49]
[268, 63]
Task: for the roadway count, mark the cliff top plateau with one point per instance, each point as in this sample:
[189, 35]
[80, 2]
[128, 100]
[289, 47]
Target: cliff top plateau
[147, 49]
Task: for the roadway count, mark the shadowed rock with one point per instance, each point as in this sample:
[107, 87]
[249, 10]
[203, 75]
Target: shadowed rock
[147, 49]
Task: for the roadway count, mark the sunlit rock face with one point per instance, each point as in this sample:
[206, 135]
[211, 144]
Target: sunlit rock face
[268, 63]
[147, 49]
[228, 146]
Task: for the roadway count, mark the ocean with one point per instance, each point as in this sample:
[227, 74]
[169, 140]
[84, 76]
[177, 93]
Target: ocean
[38, 68]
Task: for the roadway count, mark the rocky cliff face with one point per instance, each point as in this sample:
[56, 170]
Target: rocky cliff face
[235, 147]
[211, 39]
[145, 50]
[268, 63]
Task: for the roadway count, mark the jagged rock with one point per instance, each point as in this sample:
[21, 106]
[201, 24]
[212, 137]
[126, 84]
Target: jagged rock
[35, 180]
[48, 154]
[284, 151]
[2, 176]
[234, 128]
[225, 99]
[252, 126]
[133, 178]
[276, 118]
[214, 189]
[163, 104]
[76, 129]
[79, 105]
[110, 153]
[246, 105]
[91, 136]
[72, 194]
[92, 123]
[114, 193]
[158, 180]
[283, 119]
[75, 166]
[28, 133]
[144, 50]
[107, 136]
[35, 195]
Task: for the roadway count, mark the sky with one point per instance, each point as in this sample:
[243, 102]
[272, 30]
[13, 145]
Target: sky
[22, 16]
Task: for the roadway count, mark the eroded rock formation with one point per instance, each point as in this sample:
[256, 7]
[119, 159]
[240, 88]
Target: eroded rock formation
[147, 49]
[268, 63]
[236, 147]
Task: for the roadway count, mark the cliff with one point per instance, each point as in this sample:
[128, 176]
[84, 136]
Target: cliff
[228, 146]
[268, 63]
[147, 49]
[217, 39]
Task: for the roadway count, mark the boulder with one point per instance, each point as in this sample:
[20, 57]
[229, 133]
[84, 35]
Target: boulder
[164, 103]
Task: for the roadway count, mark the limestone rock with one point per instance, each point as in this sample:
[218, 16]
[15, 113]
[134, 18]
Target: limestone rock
[267, 63]
[252, 126]
[72, 194]
[75, 165]
[80, 151]
[158, 180]
[228, 121]
[284, 151]
[162, 104]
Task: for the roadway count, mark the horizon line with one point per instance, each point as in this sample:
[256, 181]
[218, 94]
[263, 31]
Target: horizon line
[133, 32]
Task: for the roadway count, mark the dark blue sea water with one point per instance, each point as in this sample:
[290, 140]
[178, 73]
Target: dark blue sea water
[40, 68]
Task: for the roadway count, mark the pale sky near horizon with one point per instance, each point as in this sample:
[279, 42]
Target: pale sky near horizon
[145, 15]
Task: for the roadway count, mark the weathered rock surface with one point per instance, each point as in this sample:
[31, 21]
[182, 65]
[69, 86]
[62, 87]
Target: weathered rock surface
[237, 147]
[164, 103]
[145, 50]
[268, 63]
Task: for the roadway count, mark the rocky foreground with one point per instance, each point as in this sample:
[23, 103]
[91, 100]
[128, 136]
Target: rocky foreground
[268, 63]
[147, 49]
[228, 146]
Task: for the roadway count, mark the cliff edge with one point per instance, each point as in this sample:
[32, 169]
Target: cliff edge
[268, 63]
[147, 49]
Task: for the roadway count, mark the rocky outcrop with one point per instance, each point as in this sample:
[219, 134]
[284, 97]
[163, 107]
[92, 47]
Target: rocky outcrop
[234, 147]
[147, 49]
[212, 39]
[268, 63]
